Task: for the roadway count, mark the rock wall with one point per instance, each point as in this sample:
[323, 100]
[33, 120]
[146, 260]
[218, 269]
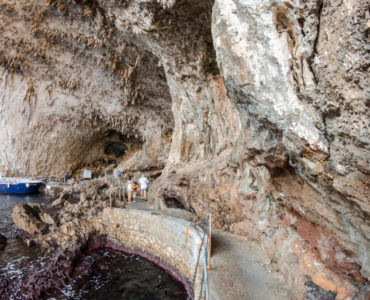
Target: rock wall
[270, 114]
[68, 81]
[296, 72]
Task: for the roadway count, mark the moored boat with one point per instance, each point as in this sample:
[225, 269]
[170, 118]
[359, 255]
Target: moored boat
[9, 185]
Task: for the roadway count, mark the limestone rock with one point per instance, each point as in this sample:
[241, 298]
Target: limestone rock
[59, 201]
[28, 218]
[46, 218]
[284, 66]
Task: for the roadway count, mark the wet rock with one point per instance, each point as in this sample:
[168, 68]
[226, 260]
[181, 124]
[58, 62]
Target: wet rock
[30, 243]
[52, 271]
[315, 292]
[2, 241]
[102, 267]
[364, 293]
[60, 200]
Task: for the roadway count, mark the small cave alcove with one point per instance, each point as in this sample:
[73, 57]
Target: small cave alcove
[115, 148]
[107, 150]
[173, 203]
[117, 144]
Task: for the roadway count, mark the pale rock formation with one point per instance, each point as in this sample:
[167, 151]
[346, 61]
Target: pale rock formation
[70, 88]
[298, 69]
[31, 219]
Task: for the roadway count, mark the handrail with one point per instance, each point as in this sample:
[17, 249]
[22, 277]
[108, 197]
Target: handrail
[206, 250]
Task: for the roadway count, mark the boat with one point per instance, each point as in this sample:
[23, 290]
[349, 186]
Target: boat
[22, 186]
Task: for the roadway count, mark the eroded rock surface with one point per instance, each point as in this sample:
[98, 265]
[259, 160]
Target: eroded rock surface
[71, 79]
[254, 111]
[31, 219]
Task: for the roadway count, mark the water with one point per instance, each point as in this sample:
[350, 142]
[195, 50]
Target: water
[16, 259]
[109, 274]
[16, 250]
[7, 202]
[101, 274]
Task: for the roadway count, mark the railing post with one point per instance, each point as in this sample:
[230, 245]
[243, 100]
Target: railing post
[205, 271]
[206, 253]
[209, 240]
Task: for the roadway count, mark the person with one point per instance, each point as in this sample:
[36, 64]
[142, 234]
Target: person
[134, 192]
[65, 177]
[143, 186]
[129, 186]
[120, 178]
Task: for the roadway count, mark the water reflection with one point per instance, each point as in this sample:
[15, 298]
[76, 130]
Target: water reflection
[109, 274]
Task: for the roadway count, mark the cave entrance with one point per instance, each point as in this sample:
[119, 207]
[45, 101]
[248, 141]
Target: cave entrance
[106, 150]
[117, 149]
[132, 132]
[173, 203]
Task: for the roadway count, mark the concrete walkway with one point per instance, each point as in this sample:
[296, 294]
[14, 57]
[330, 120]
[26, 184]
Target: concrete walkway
[177, 213]
[239, 269]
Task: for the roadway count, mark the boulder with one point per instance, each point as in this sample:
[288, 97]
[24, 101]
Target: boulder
[31, 219]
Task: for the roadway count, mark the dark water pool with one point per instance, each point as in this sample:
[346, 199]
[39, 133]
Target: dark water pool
[101, 274]
[109, 274]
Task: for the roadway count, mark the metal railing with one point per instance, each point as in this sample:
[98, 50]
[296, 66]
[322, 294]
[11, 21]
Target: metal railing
[204, 250]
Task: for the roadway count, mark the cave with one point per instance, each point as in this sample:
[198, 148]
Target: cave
[173, 203]
[116, 148]
[254, 112]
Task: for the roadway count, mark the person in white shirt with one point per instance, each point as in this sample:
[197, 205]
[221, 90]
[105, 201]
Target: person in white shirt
[143, 186]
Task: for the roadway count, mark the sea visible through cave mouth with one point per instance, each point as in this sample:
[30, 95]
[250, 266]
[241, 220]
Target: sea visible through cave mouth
[101, 273]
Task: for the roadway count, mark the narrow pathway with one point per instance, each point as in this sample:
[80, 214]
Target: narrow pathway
[139, 204]
[177, 213]
[239, 269]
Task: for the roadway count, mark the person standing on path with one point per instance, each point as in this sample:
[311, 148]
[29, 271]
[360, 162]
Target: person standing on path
[129, 186]
[143, 186]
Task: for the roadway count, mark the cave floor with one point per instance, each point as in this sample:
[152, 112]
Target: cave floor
[239, 269]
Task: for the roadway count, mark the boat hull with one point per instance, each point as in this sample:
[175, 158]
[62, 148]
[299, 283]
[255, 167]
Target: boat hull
[20, 188]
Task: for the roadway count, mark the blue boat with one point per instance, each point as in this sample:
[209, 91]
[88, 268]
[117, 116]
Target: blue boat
[22, 186]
